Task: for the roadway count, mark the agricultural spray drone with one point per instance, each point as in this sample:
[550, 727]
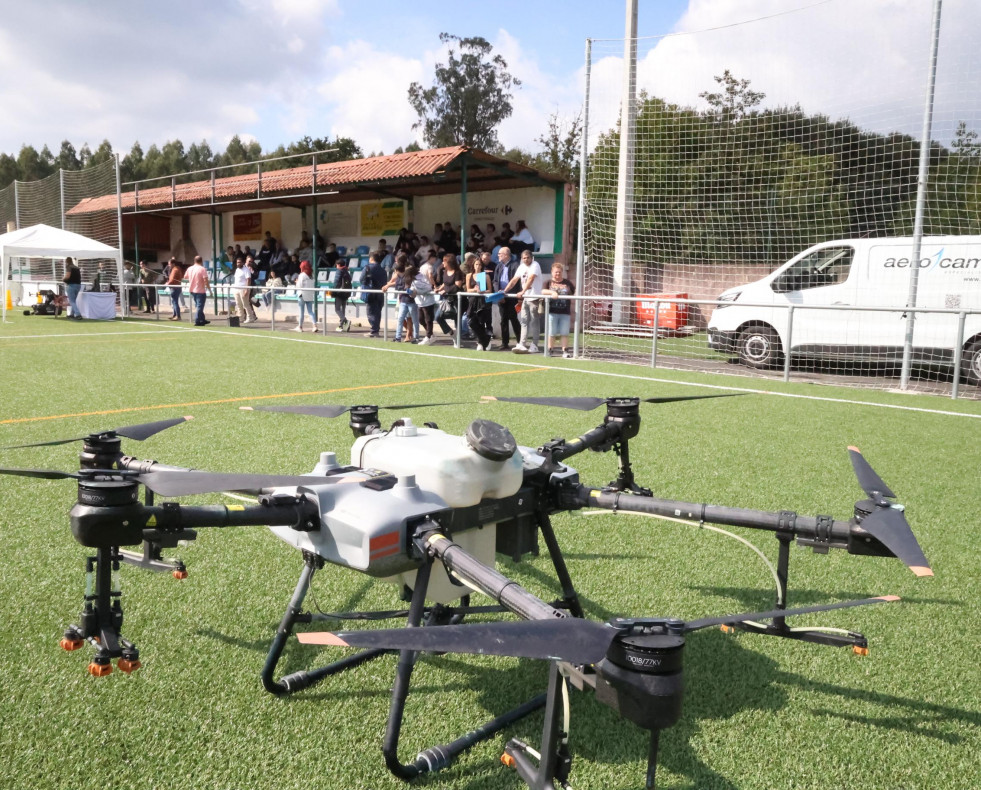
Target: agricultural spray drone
[429, 510]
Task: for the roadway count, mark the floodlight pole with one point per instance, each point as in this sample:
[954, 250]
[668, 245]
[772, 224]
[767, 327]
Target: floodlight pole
[123, 295]
[61, 189]
[921, 187]
[623, 250]
[580, 307]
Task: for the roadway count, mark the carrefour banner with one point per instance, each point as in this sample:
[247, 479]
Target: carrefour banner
[382, 218]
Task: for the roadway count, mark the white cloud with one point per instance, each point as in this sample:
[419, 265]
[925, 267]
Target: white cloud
[538, 97]
[283, 69]
[365, 90]
[865, 60]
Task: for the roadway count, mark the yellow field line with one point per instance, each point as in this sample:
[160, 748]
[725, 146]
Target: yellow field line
[268, 397]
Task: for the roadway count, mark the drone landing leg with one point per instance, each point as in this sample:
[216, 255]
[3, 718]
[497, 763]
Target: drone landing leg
[778, 626]
[555, 761]
[652, 759]
[102, 617]
[435, 757]
[570, 598]
[294, 614]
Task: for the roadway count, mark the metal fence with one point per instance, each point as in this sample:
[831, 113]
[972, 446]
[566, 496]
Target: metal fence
[832, 345]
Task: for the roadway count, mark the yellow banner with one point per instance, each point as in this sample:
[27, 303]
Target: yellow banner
[382, 218]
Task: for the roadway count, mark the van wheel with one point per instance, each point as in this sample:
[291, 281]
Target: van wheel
[759, 347]
[971, 365]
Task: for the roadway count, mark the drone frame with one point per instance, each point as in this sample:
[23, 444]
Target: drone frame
[108, 515]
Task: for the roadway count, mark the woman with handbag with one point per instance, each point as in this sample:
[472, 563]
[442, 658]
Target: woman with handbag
[449, 281]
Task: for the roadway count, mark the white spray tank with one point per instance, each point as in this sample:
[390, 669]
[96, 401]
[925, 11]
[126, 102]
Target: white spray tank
[461, 470]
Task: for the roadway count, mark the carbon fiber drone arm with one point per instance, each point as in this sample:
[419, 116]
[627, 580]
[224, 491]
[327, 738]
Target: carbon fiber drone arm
[100, 527]
[818, 531]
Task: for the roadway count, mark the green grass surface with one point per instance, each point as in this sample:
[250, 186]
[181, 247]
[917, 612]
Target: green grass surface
[759, 713]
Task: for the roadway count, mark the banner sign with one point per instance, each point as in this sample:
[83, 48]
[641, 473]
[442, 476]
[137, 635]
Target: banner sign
[253, 225]
[380, 219]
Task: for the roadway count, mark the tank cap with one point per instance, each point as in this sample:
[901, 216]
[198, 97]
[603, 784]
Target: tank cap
[407, 427]
[490, 440]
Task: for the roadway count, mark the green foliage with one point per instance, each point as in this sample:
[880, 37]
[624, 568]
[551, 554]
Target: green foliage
[172, 158]
[737, 184]
[470, 97]
[67, 158]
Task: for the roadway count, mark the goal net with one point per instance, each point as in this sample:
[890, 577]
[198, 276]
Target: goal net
[755, 141]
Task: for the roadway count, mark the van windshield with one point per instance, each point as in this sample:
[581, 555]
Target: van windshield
[827, 266]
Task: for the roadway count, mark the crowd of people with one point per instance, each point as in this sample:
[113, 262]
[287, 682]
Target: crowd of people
[491, 268]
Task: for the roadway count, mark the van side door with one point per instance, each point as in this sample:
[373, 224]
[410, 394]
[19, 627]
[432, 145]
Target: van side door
[821, 279]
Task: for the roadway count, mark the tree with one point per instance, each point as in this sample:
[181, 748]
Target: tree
[470, 97]
[560, 154]
[67, 158]
[966, 142]
[8, 171]
[199, 156]
[102, 154]
[734, 101]
[31, 165]
[133, 164]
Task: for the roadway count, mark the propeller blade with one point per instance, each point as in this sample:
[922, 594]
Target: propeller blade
[705, 622]
[870, 482]
[588, 404]
[148, 429]
[137, 432]
[580, 404]
[43, 474]
[425, 405]
[889, 526]
[312, 411]
[171, 483]
[678, 398]
[565, 639]
[52, 443]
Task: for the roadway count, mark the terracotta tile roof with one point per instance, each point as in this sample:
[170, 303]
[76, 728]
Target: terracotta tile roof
[295, 180]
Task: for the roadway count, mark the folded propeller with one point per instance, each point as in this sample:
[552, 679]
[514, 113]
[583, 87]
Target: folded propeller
[138, 432]
[563, 639]
[887, 521]
[178, 483]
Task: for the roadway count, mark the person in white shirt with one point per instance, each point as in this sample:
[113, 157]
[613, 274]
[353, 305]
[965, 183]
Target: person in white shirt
[240, 287]
[529, 275]
[306, 297]
[523, 235]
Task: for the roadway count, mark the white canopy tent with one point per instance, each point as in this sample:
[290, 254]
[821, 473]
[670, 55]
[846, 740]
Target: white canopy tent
[43, 241]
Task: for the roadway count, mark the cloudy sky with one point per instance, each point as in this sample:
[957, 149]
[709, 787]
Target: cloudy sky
[276, 70]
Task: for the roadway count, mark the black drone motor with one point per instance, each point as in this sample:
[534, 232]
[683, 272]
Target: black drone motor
[625, 414]
[642, 679]
[100, 451]
[364, 420]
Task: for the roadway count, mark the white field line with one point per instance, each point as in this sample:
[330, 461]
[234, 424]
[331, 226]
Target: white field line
[384, 348]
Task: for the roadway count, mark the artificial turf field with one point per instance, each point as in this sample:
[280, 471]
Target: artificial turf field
[759, 713]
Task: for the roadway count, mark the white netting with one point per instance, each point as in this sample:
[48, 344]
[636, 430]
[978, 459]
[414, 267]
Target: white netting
[49, 201]
[804, 138]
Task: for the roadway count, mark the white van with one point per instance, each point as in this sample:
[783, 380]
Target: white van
[753, 322]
